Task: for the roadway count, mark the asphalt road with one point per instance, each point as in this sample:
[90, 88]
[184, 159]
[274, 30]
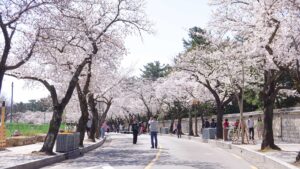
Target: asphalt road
[119, 153]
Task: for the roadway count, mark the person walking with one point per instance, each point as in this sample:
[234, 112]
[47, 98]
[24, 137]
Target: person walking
[174, 128]
[103, 129]
[225, 130]
[153, 127]
[250, 124]
[236, 124]
[135, 129]
[213, 124]
[88, 126]
[178, 129]
[259, 127]
[206, 124]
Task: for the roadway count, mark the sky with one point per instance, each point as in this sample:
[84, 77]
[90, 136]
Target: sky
[171, 20]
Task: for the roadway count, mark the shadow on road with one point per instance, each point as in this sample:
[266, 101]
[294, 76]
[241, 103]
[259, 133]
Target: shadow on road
[166, 159]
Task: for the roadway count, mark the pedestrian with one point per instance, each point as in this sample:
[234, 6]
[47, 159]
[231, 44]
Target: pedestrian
[213, 124]
[250, 124]
[142, 128]
[121, 127]
[178, 129]
[225, 124]
[135, 129]
[88, 126]
[153, 126]
[103, 129]
[259, 127]
[174, 128]
[206, 123]
[236, 124]
[225, 129]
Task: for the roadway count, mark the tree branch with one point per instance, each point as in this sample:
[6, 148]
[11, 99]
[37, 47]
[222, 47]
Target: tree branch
[27, 57]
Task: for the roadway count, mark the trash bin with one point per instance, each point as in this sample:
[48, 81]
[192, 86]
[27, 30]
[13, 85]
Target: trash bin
[225, 134]
[164, 130]
[209, 133]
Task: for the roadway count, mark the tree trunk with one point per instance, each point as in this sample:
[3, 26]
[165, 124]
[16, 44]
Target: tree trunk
[220, 113]
[196, 124]
[58, 108]
[191, 133]
[179, 122]
[268, 138]
[1, 79]
[163, 122]
[298, 157]
[94, 128]
[202, 121]
[82, 122]
[53, 130]
[104, 114]
[268, 95]
[172, 125]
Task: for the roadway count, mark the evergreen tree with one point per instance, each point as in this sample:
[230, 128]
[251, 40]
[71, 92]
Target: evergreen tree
[196, 38]
[155, 70]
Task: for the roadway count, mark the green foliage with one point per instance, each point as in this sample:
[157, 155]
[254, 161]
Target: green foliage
[207, 108]
[251, 103]
[284, 101]
[28, 129]
[196, 38]
[155, 70]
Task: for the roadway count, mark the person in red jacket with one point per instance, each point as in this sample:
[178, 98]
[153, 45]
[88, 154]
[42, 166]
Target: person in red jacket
[225, 130]
[236, 124]
[225, 124]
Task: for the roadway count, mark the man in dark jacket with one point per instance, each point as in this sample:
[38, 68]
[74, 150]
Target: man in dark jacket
[206, 124]
[213, 124]
[135, 130]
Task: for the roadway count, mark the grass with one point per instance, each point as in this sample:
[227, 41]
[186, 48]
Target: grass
[28, 129]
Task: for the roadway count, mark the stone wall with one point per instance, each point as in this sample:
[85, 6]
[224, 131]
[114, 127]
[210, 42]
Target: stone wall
[286, 123]
[24, 140]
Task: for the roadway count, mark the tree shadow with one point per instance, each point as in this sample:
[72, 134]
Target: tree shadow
[167, 159]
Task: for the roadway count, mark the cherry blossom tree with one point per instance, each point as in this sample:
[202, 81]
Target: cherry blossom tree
[179, 90]
[19, 23]
[103, 94]
[202, 64]
[71, 40]
[144, 90]
[99, 70]
[266, 27]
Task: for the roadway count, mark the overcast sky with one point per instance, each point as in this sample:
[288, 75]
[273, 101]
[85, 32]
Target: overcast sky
[171, 19]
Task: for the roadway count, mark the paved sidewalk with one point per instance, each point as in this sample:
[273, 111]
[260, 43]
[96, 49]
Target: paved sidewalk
[270, 159]
[23, 158]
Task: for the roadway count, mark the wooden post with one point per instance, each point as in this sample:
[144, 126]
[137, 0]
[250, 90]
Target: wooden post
[2, 127]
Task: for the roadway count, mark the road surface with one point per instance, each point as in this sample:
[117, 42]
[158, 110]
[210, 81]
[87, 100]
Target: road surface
[119, 153]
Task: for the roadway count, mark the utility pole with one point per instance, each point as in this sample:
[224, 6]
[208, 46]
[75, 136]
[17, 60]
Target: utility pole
[11, 101]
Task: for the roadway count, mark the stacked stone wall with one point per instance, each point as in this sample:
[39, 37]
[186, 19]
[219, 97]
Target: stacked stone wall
[286, 123]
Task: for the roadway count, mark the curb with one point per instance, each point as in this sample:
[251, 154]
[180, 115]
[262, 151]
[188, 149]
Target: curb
[58, 158]
[261, 160]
